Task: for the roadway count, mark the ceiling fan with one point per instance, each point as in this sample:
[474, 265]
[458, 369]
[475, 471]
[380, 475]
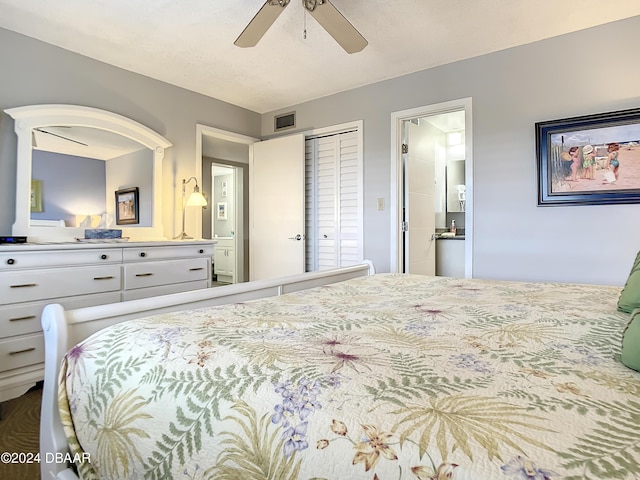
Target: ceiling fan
[323, 11]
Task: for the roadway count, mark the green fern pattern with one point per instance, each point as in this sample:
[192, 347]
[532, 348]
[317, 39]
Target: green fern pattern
[389, 376]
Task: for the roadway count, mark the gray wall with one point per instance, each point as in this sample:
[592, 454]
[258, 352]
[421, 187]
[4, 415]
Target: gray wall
[592, 71]
[34, 72]
[587, 72]
[68, 183]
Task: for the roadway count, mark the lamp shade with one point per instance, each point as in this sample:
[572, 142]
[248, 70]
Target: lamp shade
[196, 199]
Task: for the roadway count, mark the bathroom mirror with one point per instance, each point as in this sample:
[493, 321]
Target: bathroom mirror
[456, 189]
[124, 154]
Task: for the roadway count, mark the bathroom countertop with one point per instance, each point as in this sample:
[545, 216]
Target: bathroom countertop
[456, 237]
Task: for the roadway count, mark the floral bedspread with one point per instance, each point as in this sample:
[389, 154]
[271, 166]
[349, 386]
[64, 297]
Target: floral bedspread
[385, 377]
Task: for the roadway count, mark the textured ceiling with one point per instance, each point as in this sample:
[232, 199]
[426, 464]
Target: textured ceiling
[190, 43]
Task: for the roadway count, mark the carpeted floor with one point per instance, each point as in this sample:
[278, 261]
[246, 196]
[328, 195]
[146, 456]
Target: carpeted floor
[19, 432]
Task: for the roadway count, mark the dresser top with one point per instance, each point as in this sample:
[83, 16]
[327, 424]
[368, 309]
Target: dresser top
[101, 243]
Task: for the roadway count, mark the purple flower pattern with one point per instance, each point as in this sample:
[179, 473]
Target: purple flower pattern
[299, 401]
[520, 468]
[469, 361]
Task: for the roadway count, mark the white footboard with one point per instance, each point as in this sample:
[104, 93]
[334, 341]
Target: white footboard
[64, 329]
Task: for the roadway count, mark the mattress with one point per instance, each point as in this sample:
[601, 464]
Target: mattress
[390, 376]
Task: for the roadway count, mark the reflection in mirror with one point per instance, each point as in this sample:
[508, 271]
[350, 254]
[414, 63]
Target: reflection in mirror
[70, 161]
[77, 169]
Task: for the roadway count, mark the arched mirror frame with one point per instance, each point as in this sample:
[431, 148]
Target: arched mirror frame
[34, 116]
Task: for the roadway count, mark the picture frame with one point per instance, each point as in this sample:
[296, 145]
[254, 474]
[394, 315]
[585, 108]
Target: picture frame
[36, 196]
[589, 160]
[222, 211]
[127, 206]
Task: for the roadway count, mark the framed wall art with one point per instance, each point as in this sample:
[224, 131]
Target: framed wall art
[36, 196]
[127, 206]
[590, 160]
[222, 211]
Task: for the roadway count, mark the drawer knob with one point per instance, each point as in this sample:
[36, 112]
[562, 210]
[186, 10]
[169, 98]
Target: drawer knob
[11, 261]
[104, 256]
[201, 250]
[142, 254]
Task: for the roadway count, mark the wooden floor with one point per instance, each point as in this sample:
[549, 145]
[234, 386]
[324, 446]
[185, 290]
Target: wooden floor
[19, 434]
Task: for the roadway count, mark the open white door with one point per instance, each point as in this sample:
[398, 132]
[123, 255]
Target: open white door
[276, 207]
[419, 174]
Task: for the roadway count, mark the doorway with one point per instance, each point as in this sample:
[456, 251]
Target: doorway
[230, 149]
[431, 185]
[228, 212]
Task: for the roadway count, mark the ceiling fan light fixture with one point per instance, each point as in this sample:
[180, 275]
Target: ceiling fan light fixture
[311, 5]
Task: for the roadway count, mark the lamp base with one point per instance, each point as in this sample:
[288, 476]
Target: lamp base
[183, 236]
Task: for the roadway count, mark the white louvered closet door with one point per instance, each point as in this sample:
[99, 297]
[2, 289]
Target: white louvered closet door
[333, 202]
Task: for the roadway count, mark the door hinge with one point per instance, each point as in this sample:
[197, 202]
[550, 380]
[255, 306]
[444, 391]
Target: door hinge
[405, 148]
[405, 227]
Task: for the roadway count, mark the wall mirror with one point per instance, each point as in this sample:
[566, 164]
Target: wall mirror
[70, 162]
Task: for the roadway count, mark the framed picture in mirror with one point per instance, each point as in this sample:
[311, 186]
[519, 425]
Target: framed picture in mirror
[36, 196]
[127, 206]
[222, 210]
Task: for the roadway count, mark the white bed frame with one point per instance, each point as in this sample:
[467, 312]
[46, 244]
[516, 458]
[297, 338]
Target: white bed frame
[65, 328]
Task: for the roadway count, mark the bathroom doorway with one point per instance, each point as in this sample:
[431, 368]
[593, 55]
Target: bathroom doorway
[432, 184]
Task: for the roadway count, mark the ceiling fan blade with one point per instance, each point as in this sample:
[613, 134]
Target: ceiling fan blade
[338, 27]
[60, 136]
[260, 23]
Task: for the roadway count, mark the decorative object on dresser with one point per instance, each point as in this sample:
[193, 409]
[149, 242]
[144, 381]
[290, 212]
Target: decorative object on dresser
[82, 275]
[196, 199]
[12, 239]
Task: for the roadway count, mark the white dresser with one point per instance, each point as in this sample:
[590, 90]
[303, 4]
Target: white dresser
[80, 275]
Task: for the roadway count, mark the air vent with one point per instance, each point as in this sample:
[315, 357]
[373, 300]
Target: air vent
[287, 120]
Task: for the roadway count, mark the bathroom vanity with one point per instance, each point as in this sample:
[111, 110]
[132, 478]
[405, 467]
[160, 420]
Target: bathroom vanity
[450, 256]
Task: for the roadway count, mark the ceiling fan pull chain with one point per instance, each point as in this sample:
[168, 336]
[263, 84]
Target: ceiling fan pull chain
[304, 32]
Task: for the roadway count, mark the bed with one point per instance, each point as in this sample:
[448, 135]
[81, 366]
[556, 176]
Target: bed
[381, 376]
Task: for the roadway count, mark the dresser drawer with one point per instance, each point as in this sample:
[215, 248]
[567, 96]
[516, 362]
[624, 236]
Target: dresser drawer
[21, 351]
[139, 293]
[162, 253]
[30, 285]
[10, 261]
[151, 274]
[22, 318]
